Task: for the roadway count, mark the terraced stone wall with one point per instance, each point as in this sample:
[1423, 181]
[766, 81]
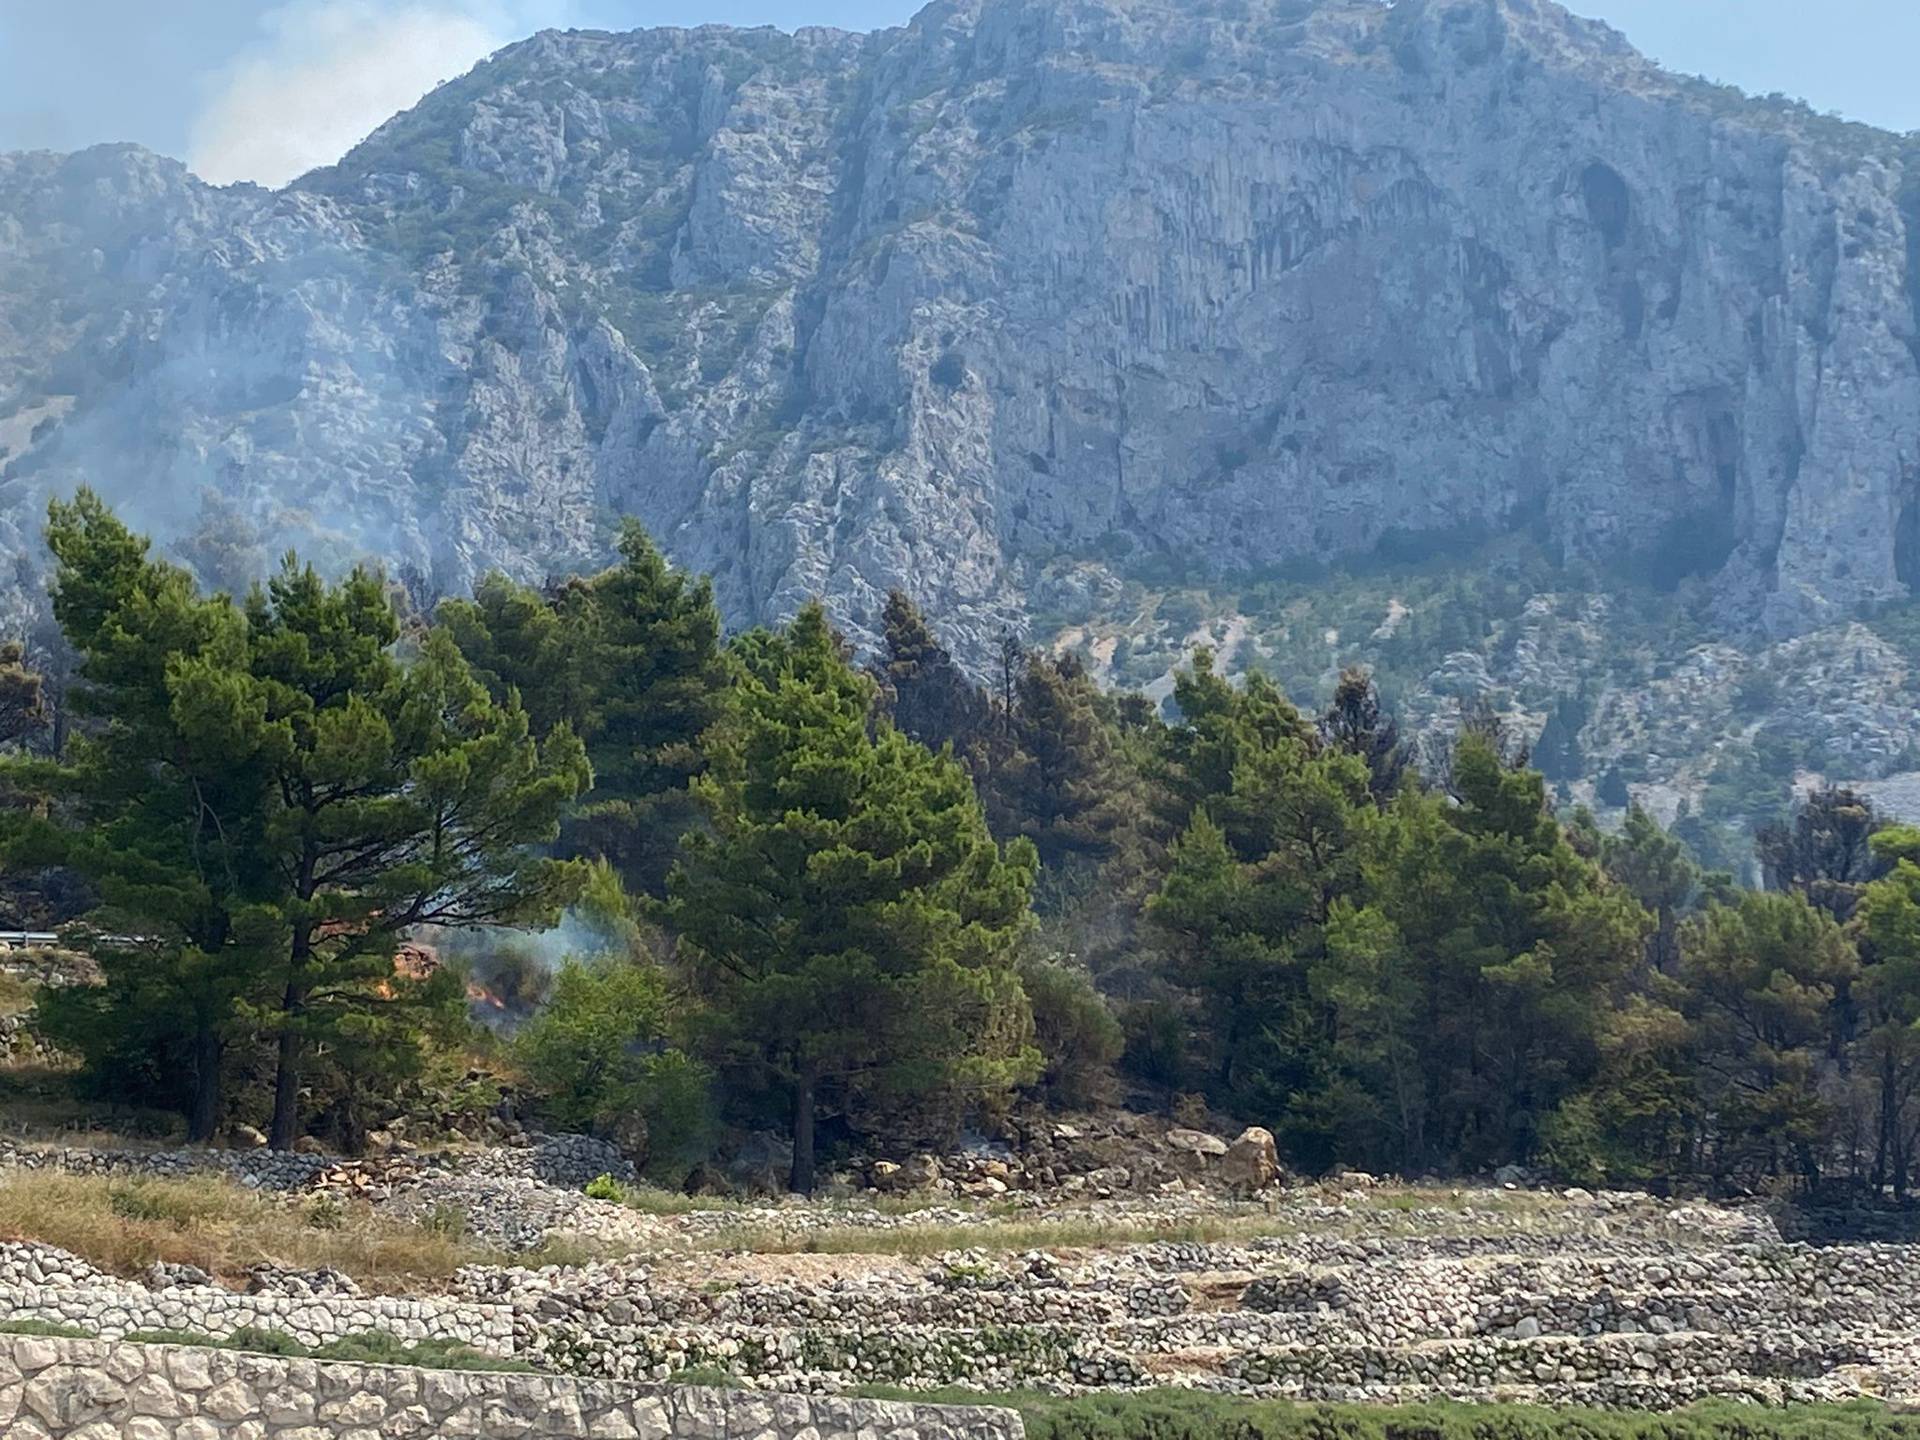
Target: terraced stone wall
[95, 1390]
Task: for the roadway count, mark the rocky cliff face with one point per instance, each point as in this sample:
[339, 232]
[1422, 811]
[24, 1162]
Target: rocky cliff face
[1004, 306]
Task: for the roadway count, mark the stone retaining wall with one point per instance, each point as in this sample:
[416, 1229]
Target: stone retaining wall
[95, 1390]
[115, 1312]
[565, 1161]
[38, 1282]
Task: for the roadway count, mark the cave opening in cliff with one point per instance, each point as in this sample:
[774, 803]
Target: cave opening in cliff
[1609, 202]
[1906, 544]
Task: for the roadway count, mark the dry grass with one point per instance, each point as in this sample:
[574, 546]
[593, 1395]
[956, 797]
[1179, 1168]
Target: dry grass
[124, 1225]
[16, 995]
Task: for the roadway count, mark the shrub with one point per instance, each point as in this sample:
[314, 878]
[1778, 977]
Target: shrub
[597, 1056]
[605, 1187]
[366, 1347]
[325, 1212]
[446, 1220]
[175, 1337]
[1075, 1031]
[949, 372]
[1757, 693]
[1156, 1044]
[264, 1342]
[1195, 1415]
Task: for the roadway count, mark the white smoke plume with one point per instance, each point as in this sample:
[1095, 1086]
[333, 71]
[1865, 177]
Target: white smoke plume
[326, 73]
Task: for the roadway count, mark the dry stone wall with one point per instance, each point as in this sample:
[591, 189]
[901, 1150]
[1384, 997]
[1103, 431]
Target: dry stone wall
[558, 1160]
[41, 1283]
[95, 1390]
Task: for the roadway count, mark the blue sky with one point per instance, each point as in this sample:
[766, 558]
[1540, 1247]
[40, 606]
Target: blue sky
[263, 89]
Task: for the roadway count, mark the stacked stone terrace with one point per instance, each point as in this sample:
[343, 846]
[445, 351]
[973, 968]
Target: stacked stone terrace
[90, 1390]
[1322, 1292]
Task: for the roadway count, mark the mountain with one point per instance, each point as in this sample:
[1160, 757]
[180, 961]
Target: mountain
[1451, 335]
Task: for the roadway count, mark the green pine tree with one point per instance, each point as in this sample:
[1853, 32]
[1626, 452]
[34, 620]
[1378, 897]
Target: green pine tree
[1762, 976]
[1523, 948]
[1888, 995]
[403, 796]
[1262, 904]
[925, 692]
[846, 906]
[630, 660]
[160, 801]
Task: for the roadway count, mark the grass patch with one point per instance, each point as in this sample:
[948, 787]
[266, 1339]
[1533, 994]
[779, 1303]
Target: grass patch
[651, 1200]
[16, 995]
[1196, 1415]
[46, 1329]
[376, 1347]
[124, 1225]
[370, 1347]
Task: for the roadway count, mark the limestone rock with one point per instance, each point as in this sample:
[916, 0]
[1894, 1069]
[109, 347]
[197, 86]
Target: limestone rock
[1252, 1162]
[945, 307]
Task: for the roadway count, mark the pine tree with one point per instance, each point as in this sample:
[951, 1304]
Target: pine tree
[928, 697]
[1523, 947]
[1220, 724]
[1762, 976]
[1888, 994]
[1358, 724]
[1059, 782]
[1261, 905]
[160, 802]
[1661, 873]
[629, 659]
[1557, 753]
[659, 676]
[533, 643]
[403, 796]
[846, 905]
[1825, 852]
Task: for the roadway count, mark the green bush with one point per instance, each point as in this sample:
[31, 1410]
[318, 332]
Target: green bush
[263, 1342]
[447, 1221]
[177, 1337]
[1196, 1415]
[598, 1059]
[1156, 1044]
[1075, 1030]
[368, 1347]
[605, 1187]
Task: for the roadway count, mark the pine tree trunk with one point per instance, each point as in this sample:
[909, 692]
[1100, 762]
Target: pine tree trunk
[206, 1087]
[801, 1181]
[286, 1076]
[286, 1093]
[285, 1128]
[1889, 1121]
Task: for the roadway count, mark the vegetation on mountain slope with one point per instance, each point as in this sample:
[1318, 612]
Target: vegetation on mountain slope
[900, 902]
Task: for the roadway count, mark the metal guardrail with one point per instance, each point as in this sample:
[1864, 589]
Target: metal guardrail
[27, 939]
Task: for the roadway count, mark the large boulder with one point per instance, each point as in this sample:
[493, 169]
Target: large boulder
[919, 1172]
[1196, 1142]
[1252, 1161]
[762, 1164]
